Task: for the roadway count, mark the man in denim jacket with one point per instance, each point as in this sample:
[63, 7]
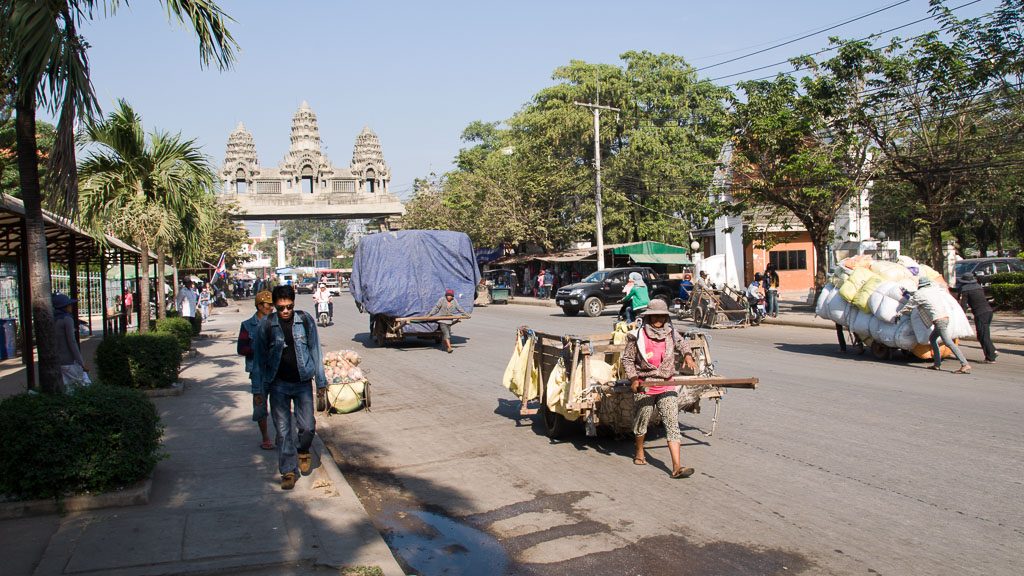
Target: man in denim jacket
[286, 358]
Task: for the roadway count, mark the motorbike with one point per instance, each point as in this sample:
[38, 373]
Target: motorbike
[323, 313]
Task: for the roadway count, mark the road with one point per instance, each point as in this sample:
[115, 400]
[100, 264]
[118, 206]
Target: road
[836, 464]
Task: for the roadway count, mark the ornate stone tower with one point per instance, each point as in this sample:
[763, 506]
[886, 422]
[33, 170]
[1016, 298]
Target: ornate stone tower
[240, 161]
[305, 165]
[368, 162]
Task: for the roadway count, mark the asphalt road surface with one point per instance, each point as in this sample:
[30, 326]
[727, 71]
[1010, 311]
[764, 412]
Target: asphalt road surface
[836, 464]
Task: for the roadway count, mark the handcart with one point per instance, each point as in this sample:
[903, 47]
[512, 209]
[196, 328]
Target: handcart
[387, 330]
[726, 308]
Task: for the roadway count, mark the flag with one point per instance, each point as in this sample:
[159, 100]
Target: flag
[221, 270]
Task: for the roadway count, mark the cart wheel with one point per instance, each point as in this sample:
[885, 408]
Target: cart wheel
[881, 351]
[554, 423]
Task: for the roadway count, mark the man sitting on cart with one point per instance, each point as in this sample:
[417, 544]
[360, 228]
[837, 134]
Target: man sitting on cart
[649, 357]
[447, 306]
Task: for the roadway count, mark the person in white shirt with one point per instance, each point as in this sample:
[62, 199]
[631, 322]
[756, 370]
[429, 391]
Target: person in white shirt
[322, 294]
[187, 302]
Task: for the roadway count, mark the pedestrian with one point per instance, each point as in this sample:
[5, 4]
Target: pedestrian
[928, 302]
[972, 293]
[129, 305]
[264, 305]
[286, 354]
[649, 357]
[204, 302]
[187, 303]
[549, 283]
[771, 282]
[540, 284]
[72, 366]
[636, 299]
[447, 305]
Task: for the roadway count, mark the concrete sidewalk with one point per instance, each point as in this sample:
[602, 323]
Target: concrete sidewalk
[1006, 328]
[216, 505]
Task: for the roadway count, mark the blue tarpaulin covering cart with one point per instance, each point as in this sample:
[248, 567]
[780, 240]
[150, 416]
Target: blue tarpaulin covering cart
[397, 277]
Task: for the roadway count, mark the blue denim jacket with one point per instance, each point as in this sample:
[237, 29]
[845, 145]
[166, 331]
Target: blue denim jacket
[268, 344]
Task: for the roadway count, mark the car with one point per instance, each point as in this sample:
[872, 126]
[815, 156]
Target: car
[305, 286]
[604, 288]
[983, 269]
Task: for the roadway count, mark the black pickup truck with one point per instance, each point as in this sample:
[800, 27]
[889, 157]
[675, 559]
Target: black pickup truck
[604, 288]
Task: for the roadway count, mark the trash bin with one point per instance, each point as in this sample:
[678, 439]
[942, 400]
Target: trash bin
[8, 338]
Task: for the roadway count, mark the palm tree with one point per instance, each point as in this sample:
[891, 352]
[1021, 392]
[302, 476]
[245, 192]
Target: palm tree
[44, 62]
[141, 187]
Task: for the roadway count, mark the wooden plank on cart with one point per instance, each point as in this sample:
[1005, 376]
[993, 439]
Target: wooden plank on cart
[408, 319]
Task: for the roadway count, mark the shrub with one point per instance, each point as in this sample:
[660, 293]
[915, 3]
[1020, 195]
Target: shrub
[1009, 296]
[1007, 278]
[139, 360]
[180, 328]
[97, 439]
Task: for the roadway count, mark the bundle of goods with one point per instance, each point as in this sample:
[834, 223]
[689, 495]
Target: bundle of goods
[865, 295]
[347, 388]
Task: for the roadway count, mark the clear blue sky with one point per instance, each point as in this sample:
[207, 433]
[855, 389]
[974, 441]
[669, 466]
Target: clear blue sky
[418, 72]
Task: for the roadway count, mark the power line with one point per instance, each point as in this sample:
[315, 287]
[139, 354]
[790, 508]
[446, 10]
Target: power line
[804, 37]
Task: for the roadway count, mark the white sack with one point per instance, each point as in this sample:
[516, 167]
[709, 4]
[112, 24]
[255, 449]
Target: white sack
[875, 300]
[921, 330]
[838, 309]
[860, 324]
[883, 332]
[887, 309]
[959, 326]
[905, 338]
[821, 309]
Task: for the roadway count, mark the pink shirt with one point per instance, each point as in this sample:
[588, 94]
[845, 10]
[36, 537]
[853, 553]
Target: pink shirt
[655, 353]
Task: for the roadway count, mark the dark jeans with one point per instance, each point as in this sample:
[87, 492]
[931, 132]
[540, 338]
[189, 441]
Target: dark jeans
[291, 406]
[981, 323]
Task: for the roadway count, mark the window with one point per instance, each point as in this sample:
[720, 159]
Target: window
[788, 259]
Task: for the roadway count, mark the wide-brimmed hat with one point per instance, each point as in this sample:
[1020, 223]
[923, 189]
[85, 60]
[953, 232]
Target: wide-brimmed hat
[264, 296]
[968, 277]
[656, 307]
[62, 300]
[923, 281]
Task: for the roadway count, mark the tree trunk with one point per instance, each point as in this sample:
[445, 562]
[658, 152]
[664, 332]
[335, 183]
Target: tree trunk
[820, 241]
[50, 380]
[161, 308]
[935, 244]
[142, 274]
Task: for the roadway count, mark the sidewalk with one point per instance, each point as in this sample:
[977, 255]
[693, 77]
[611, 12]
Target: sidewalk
[1006, 328]
[216, 505]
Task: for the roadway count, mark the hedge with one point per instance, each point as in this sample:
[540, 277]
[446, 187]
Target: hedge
[180, 328]
[97, 439]
[1008, 296]
[1007, 278]
[149, 360]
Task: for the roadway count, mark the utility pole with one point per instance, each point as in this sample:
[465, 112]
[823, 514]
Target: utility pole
[597, 175]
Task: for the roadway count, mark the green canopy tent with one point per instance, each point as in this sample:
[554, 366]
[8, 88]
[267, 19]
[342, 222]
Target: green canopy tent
[657, 253]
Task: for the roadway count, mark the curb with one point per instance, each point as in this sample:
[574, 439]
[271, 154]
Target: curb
[545, 303]
[811, 324]
[176, 389]
[134, 495]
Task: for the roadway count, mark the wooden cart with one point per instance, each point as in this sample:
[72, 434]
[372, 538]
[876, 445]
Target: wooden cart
[726, 308]
[611, 404]
[388, 330]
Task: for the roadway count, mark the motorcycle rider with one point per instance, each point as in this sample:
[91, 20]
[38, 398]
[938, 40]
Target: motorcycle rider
[754, 296]
[322, 294]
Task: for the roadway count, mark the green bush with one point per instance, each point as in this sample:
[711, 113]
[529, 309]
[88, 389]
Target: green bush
[149, 360]
[97, 439]
[179, 327]
[1007, 278]
[1008, 296]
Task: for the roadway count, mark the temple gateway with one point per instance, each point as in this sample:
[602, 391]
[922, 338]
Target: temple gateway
[305, 184]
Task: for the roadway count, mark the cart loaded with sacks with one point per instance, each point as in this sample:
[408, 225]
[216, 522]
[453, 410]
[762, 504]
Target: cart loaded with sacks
[571, 378]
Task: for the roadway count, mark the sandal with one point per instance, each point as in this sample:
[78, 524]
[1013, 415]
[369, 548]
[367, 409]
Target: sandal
[267, 445]
[965, 369]
[640, 461]
[934, 367]
[683, 473]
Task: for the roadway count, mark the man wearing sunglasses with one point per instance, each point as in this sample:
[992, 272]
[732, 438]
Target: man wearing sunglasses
[287, 357]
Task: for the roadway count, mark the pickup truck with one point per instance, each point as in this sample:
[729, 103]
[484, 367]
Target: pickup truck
[604, 288]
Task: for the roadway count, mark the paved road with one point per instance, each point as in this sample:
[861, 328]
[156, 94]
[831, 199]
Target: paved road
[835, 465]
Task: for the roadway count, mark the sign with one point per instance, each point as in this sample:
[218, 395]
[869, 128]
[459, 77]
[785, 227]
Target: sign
[321, 264]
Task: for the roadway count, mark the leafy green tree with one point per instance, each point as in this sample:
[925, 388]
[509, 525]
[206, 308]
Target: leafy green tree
[9, 151]
[142, 187]
[798, 147]
[317, 239]
[43, 62]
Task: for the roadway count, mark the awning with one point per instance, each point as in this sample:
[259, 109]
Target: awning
[649, 247]
[678, 259]
[566, 257]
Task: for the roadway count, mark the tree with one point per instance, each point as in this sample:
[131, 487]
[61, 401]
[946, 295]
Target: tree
[798, 147]
[9, 151]
[144, 188]
[927, 105]
[43, 62]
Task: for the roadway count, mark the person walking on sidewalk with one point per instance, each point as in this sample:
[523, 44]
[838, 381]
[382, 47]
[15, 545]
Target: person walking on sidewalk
[187, 303]
[927, 300]
[973, 295]
[287, 357]
[771, 293]
[264, 305]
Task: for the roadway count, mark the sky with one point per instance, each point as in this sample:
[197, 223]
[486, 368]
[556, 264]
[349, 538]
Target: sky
[418, 72]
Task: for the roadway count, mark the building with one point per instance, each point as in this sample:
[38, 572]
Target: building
[305, 169]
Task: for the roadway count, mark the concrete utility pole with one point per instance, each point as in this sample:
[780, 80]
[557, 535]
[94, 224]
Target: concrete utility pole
[597, 175]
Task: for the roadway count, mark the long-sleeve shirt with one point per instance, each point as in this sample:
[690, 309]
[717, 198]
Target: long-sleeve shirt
[928, 303]
[634, 357]
[975, 298]
[446, 308]
[67, 346]
[186, 302]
